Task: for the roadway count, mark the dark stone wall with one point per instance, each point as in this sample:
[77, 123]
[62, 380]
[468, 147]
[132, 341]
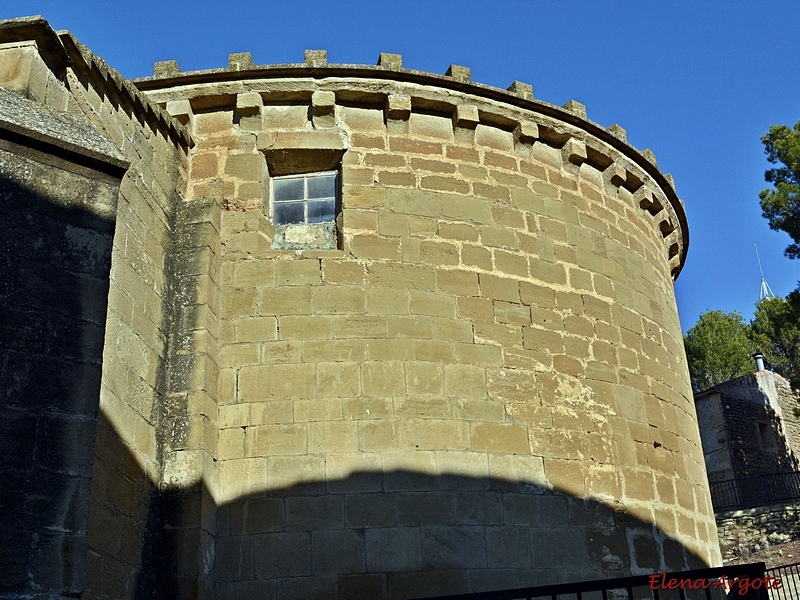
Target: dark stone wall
[757, 443]
[55, 251]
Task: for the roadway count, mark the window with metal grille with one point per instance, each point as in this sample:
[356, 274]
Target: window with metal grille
[309, 198]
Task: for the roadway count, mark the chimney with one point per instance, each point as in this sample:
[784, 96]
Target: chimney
[759, 361]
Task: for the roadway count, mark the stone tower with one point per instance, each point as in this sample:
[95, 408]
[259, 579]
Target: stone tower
[369, 333]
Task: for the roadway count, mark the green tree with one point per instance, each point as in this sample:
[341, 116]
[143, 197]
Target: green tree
[718, 348]
[781, 204]
[776, 331]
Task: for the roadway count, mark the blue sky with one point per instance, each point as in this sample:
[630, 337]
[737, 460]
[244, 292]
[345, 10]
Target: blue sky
[698, 83]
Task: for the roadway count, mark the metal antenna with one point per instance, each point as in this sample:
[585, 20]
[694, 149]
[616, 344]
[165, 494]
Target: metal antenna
[766, 291]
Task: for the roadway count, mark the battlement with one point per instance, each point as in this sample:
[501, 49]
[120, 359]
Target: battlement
[469, 104]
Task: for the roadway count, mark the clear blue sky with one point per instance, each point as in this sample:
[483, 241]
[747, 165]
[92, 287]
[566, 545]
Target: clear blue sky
[696, 82]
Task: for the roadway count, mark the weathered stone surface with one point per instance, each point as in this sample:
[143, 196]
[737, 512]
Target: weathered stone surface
[443, 390]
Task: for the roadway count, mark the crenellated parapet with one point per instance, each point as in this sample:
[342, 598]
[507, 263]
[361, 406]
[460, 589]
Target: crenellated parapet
[322, 86]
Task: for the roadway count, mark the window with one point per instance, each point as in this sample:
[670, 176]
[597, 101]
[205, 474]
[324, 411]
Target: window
[309, 198]
[766, 436]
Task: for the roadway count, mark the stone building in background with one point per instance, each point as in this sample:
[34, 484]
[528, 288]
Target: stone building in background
[750, 431]
[331, 331]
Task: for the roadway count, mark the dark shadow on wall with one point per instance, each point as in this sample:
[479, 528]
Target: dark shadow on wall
[55, 258]
[373, 536]
[757, 442]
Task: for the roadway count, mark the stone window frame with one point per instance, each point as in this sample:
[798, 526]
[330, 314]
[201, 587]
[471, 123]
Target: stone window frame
[298, 154]
[335, 197]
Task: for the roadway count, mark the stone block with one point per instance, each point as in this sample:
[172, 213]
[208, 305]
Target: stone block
[353, 473]
[338, 380]
[298, 272]
[287, 301]
[390, 349]
[478, 354]
[393, 549]
[554, 547]
[364, 585]
[398, 107]
[339, 300]
[475, 309]
[478, 508]
[255, 329]
[413, 326]
[315, 513]
[316, 58]
[249, 104]
[455, 330]
[453, 547]
[382, 378]
[298, 474]
[432, 304]
[317, 409]
[512, 313]
[375, 247]
[271, 440]
[379, 435]
[276, 381]
[424, 508]
[370, 511]
[342, 272]
[500, 438]
[263, 515]
[507, 336]
[282, 554]
[508, 547]
[566, 476]
[423, 378]
[337, 552]
[466, 116]
[437, 434]
[334, 350]
[333, 436]
[305, 327]
[459, 73]
[499, 288]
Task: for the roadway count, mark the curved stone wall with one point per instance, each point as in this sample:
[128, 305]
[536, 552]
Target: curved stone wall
[482, 386]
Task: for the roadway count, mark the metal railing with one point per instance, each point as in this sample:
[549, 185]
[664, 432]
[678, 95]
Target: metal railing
[759, 490]
[789, 576]
[745, 582]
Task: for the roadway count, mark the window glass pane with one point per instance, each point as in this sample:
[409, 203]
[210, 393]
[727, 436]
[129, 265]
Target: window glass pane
[323, 186]
[290, 212]
[287, 189]
[319, 211]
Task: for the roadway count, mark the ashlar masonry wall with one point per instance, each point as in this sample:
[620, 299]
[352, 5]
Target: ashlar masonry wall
[484, 385]
[93, 503]
[480, 384]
